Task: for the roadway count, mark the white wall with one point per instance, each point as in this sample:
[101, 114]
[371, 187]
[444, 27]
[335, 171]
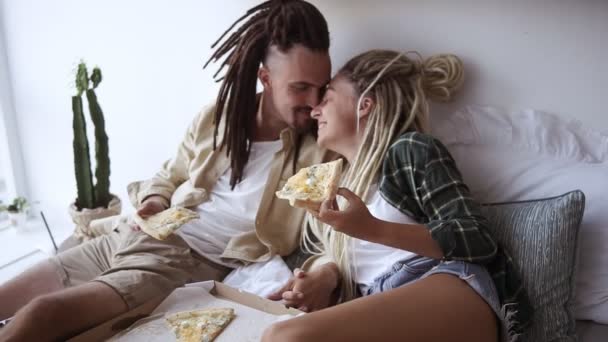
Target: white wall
[548, 55]
[544, 54]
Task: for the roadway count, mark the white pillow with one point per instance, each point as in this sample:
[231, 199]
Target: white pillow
[520, 155]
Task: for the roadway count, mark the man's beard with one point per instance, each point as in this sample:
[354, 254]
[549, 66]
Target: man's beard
[309, 123]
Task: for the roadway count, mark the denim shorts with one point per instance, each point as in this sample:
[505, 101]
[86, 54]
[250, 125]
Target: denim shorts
[418, 267]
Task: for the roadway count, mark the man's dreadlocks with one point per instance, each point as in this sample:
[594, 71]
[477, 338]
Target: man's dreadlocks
[280, 23]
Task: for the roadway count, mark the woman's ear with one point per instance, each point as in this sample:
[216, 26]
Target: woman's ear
[264, 77]
[366, 106]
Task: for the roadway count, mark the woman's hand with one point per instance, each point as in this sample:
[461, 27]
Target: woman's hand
[354, 220]
[358, 222]
[310, 291]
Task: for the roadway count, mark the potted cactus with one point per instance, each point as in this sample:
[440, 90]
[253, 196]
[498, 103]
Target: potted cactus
[94, 201]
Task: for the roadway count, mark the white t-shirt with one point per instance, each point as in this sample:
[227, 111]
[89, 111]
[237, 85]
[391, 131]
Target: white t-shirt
[229, 212]
[372, 259]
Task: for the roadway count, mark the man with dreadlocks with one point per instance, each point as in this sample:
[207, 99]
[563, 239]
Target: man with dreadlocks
[235, 155]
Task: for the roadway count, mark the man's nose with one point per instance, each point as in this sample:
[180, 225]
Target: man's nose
[315, 113]
[313, 98]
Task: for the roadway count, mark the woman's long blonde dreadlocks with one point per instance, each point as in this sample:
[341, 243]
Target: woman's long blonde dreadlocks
[400, 88]
[280, 23]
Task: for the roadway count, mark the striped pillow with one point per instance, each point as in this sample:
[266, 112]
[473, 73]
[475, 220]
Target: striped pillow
[541, 236]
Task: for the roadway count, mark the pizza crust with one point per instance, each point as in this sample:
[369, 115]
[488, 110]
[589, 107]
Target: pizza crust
[165, 223]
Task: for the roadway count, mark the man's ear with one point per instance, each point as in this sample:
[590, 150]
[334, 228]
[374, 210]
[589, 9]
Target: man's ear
[367, 104]
[264, 77]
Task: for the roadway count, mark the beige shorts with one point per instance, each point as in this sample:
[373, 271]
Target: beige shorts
[137, 266]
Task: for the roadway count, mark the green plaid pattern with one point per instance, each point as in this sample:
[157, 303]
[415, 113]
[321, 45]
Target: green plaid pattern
[421, 179]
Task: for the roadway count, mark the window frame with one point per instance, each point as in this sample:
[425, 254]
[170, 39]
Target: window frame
[11, 163]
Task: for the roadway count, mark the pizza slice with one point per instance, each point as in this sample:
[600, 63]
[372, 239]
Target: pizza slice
[202, 325]
[163, 224]
[312, 185]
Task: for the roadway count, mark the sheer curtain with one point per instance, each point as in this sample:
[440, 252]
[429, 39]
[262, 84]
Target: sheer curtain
[12, 181]
[3, 164]
[4, 196]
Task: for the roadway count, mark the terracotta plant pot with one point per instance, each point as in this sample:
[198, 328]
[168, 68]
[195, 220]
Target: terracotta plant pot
[83, 218]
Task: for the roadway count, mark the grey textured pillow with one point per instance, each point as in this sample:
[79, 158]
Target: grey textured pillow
[541, 236]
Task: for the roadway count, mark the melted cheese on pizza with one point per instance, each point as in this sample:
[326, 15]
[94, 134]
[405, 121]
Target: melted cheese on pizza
[200, 325]
[310, 183]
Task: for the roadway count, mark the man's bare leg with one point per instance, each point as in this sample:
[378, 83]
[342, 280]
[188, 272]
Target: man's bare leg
[63, 314]
[39, 280]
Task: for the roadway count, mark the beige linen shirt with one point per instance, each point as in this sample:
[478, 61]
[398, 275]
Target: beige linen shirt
[188, 178]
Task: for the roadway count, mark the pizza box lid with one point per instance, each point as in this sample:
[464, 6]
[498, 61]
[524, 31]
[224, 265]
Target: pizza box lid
[217, 289]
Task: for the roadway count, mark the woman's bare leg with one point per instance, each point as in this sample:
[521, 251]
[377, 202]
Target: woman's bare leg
[441, 307]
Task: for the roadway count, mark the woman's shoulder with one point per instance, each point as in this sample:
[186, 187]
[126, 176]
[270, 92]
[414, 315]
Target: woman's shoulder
[416, 147]
[416, 138]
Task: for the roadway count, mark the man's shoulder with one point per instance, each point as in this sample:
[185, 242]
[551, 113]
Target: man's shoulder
[206, 115]
[203, 123]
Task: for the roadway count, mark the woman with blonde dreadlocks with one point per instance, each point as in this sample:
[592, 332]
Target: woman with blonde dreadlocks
[406, 233]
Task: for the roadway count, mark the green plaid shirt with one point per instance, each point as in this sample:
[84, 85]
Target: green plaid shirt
[420, 178]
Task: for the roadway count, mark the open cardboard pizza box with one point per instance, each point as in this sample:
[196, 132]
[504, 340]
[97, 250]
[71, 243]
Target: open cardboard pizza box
[147, 322]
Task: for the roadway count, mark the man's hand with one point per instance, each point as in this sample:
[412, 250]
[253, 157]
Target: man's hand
[310, 291]
[150, 206]
[354, 220]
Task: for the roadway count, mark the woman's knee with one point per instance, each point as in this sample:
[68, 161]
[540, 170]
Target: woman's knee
[286, 331]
